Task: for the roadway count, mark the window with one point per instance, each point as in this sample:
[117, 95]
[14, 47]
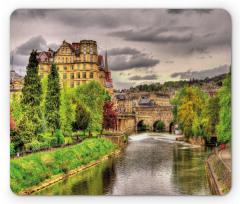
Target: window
[72, 75]
[78, 75]
[41, 76]
[63, 50]
[91, 58]
[84, 82]
[78, 83]
[58, 68]
[84, 58]
[66, 59]
[64, 76]
[84, 66]
[65, 68]
[41, 67]
[78, 66]
[91, 50]
[55, 60]
[72, 84]
[84, 75]
[59, 59]
[70, 59]
[91, 75]
[91, 66]
[62, 60]
[72, 67]
[66, 50]
[84, 49]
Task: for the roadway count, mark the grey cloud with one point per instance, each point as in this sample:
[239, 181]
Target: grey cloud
[153, 36]
[147, 77]
[37, 42]
[201, 50]
[123, 51]
[29, 13]
[125, 85]
[203, 73]
[181, 11]
[120, 63]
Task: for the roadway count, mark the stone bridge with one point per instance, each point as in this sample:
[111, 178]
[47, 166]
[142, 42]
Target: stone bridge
[147, 115]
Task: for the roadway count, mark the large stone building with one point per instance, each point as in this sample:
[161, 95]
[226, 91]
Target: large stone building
[77, 63]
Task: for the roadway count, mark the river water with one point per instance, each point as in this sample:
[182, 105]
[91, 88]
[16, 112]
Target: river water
[151, 164]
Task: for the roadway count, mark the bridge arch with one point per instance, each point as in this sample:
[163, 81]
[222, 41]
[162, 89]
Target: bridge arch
[154, 125]
[142, 125]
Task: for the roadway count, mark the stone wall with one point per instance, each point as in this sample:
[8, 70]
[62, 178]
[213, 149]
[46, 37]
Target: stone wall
[199, 140]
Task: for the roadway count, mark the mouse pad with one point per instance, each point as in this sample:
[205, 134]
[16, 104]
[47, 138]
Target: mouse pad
[120, 102]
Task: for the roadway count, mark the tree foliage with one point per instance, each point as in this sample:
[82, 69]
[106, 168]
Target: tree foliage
[160, 126]
[109, 116]
[67, 111]
[15, 104]
[13, 125]
[224, 126]
[52, 101]
[192, 105]
[25, 133]
[32, 93]
[82, 117]
[177, 101]
[92, 95]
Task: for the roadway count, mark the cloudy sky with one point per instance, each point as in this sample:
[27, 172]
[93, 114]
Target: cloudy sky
[144, 46]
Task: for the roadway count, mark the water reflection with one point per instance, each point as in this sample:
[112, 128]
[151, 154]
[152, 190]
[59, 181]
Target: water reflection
[152, 164]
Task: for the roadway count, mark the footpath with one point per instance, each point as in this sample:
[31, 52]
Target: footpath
[219, 170]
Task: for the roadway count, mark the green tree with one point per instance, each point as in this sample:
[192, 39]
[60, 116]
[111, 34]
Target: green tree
[107, 96]
[52, 101]
[224, 126]
[44, 88]
[177, 101]
[15, 104]
[192, 105]
[160, 126]
[32, 93]
[92, 95]
[67, 110]
[24, 134]
[82, 118]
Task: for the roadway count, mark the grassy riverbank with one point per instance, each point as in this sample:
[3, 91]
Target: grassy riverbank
[32, 170]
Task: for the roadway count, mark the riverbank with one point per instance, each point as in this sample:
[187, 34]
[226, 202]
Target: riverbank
[44, 169]
[218, 167]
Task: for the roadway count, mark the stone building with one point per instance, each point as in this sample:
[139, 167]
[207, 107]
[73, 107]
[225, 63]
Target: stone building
[16, 81]
[77, 64]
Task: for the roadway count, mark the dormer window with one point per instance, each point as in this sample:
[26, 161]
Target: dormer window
[66, 50]
[63, 50]
[91, 50]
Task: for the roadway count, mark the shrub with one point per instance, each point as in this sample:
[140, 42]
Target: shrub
[68, 140]
[34, 146]
[160, 126]
[12, 151]
[40, 137]
[44, 145]
[60, 137]
[53, 142]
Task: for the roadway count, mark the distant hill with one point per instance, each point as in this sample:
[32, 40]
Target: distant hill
[217, 80]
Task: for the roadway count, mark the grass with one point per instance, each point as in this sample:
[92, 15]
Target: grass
[32, 170]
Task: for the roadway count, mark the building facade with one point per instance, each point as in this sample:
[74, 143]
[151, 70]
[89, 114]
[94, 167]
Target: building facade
[77, 64]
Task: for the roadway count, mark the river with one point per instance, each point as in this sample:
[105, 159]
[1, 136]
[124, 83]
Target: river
[151, 164]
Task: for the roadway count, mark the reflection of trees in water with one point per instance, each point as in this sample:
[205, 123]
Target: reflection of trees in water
[189, 176]
[97, 180]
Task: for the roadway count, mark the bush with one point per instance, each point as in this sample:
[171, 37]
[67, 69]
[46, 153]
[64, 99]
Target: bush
[34, 146]
[60, 137]
[12, 150]
[53, 142]
[68, 140]
[44, 145]
[160, 126]
[40, 137]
